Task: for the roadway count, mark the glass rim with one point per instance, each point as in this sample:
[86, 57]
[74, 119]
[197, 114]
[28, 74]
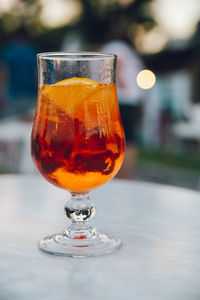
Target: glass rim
[76, 55]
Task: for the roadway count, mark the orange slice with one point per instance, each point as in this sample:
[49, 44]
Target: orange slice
[77, 81]
[68, 94]
[100, 109]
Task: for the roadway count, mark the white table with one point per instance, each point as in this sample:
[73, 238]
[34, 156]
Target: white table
[187, 130]
[159, 225]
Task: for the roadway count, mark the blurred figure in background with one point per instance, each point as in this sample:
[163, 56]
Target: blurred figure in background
[74, 41]
[18, 74]
[129, 96]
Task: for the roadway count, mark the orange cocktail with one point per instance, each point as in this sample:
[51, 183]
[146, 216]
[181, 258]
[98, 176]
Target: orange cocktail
[77, 138]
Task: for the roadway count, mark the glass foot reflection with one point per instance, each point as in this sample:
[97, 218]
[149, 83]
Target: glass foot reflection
[62, 244]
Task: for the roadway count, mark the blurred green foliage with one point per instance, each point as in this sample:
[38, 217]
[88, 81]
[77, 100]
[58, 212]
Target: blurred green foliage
[186, 160]
[99, 20]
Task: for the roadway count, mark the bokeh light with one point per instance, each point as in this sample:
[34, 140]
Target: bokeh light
[146, 79]
[177, 17]
[150, 42]
[59, 13]
[6, 5]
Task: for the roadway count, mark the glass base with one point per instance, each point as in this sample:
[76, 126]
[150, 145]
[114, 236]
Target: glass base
[61, 244]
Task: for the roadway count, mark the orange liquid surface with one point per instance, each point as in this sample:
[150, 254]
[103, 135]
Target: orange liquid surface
[77, 137]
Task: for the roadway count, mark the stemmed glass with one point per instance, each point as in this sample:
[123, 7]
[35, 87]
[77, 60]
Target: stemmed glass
[77, 141]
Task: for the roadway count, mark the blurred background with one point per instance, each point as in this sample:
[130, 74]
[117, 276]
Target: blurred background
[158, 45]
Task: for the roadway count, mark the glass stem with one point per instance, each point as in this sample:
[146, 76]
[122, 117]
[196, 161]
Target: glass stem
[79, 209]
